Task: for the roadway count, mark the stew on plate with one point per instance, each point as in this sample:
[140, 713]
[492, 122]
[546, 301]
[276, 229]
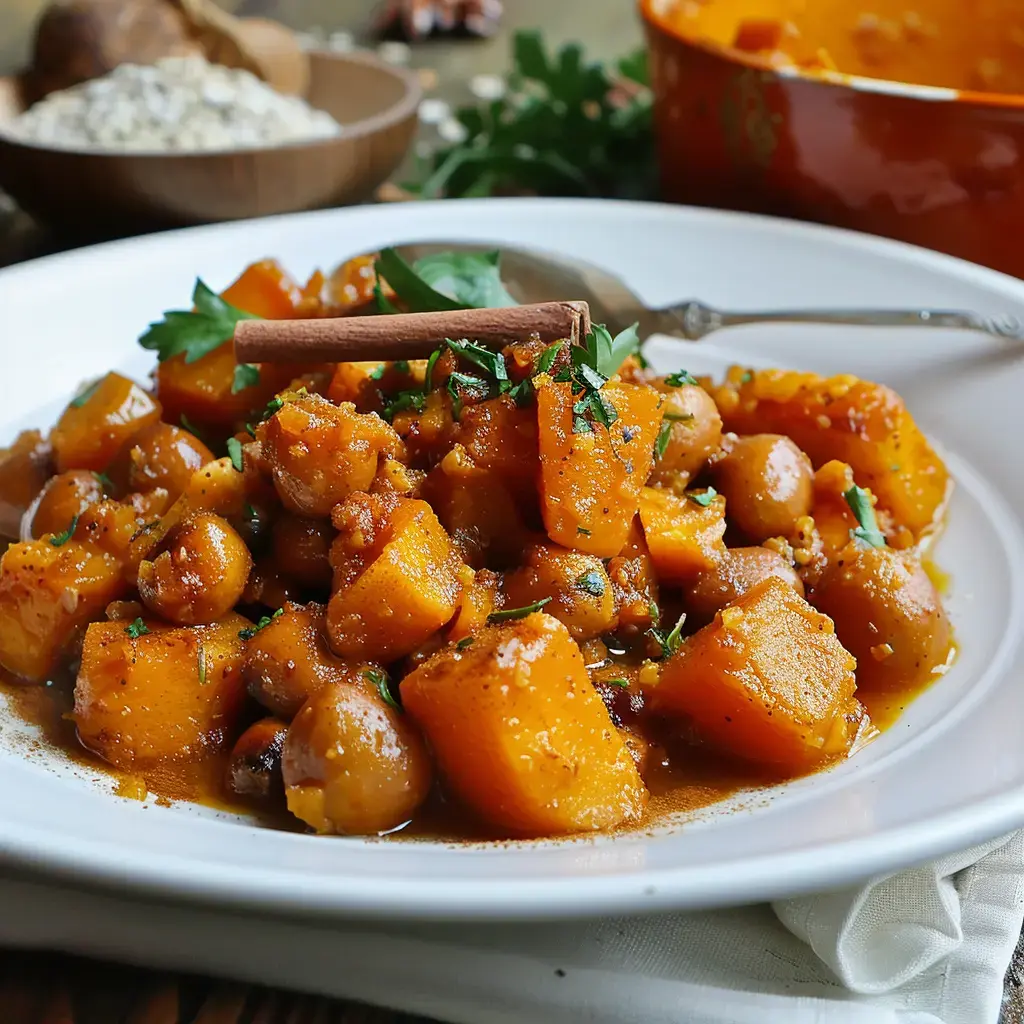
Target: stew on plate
[528, 592]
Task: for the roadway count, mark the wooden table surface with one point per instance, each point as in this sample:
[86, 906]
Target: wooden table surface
[52, 989]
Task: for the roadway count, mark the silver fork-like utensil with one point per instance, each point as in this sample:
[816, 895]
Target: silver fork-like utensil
[542, 277]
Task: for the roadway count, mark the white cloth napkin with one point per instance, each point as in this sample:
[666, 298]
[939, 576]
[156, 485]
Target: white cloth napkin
[927, 946]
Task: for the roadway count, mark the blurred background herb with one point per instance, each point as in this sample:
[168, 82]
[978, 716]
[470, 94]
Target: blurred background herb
[563, 127]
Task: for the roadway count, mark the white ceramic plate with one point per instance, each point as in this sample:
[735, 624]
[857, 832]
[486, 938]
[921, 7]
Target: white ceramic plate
[949, 774]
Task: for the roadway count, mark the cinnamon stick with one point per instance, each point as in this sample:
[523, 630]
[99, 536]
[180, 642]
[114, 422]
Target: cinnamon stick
[405, 335]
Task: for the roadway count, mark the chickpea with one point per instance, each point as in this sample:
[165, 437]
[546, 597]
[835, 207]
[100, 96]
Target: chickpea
[301, 546]
[201, 574]
[738, 571]
[581, 593]
[887, 613]
[695, 434]
[288, 661]
[352, 764]
[165, 456]
[254, 770]
[65, 496]
[768, 484]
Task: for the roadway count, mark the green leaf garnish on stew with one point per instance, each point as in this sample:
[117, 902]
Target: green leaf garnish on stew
[548, 356]
[384, 304]
[194, 333]
[416, 293]
[86, 393]
[465, 642]
[246, 376]
[506, 614]
[615, 682]
[235, 451]
[664, 436]
[383, 684]
[250, 631]
[591, 583]
[201, 664]
[58, 540]
[471, 278]
[704, 498]
[492, 363]
[680, 379]
[671, 641]
[137, 628]
[860, 505]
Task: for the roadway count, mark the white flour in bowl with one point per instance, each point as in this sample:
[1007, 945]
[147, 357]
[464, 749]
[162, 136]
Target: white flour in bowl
[179, 104]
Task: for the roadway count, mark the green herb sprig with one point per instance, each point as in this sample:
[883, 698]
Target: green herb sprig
[382, 681]
[508, 614]
[58, 540]
[265, 620]
[137, 628]
[860, 505]
[670, 641]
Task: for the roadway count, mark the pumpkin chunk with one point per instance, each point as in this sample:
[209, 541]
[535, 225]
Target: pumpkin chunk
[684, 537]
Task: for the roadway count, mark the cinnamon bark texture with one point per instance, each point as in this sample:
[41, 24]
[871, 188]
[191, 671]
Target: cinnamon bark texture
[405, 335]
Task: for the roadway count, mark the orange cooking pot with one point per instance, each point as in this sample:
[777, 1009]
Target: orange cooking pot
[897, 120]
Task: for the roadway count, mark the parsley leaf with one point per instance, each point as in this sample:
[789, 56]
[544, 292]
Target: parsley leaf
[459, 382]
[246, 376]
[680, 379]
[615, 682]
[469, 277]
[378, 371]
[605, 354]
[250, 631]
[664, 436]
[428, 380]
[201, 664]
[671, 641]
[137, 628]
[86, 393]
[416, 293]
[195, 333]
[104, 481]
[384, 304]
[548, 356]
[235, 451]
[492, 363]
[383, 684]
[58, 540]
[464, 643]
[860, 505]
[402, 401]
[506, 614]
[591, 583]
[703, 499]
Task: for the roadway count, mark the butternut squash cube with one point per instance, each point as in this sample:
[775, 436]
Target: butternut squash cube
[521, 735]
[397, 577]
[170, 695]
[683, 536]
[767, 681]
[591, 479]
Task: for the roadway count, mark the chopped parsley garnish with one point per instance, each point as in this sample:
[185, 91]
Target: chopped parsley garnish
[654, 611]
[704, 498]
[378, 371]
[460, 382]
[245, 376]
[492, 363]
[616, 682]
[273, 406]
[235, 452]
[860, 505]
[664, 436]
[548, 356]
[402, 401]
[409, 286]
[202, 665]
[194, 333]
[58, 540]
[265, 620]
[464, 643]
[747, 377]
[428, 380]
[680, 379]
[583, 531]
[383, 684]
[104, 481]
[384, 304]
[137, 628]
[670, 641]
[591, 583]
[86, 393]
[507, 614]
[401, 365]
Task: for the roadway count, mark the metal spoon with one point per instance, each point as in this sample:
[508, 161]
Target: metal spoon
[543, 277]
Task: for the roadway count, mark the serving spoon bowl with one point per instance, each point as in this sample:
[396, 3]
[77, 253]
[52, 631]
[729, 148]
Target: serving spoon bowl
[545, 277]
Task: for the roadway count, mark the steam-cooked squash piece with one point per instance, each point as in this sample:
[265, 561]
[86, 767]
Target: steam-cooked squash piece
[170, 695]
[684, 535]
[852, 420]
[521, 736]
[24, 469]
[767, 681]
[48, 593]
[94, 428]
[397, 577]
[480, 597]
[591, 478]
[499, 436]
[319, 453]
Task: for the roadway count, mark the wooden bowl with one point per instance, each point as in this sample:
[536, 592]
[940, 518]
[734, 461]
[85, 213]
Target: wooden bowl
[113, 193]
[939, 165]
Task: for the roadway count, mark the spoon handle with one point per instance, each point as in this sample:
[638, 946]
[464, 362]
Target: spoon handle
[694, 320]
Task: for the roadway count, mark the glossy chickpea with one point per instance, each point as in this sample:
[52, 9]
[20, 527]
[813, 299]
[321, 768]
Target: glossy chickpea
[64, 497]
[581, 593]
[200, 575]
[352, 764]
[288, 661]
[768, 484]
[301, 547]
[693, 429]
[739, 570]
[165, 456]
[887, 614]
